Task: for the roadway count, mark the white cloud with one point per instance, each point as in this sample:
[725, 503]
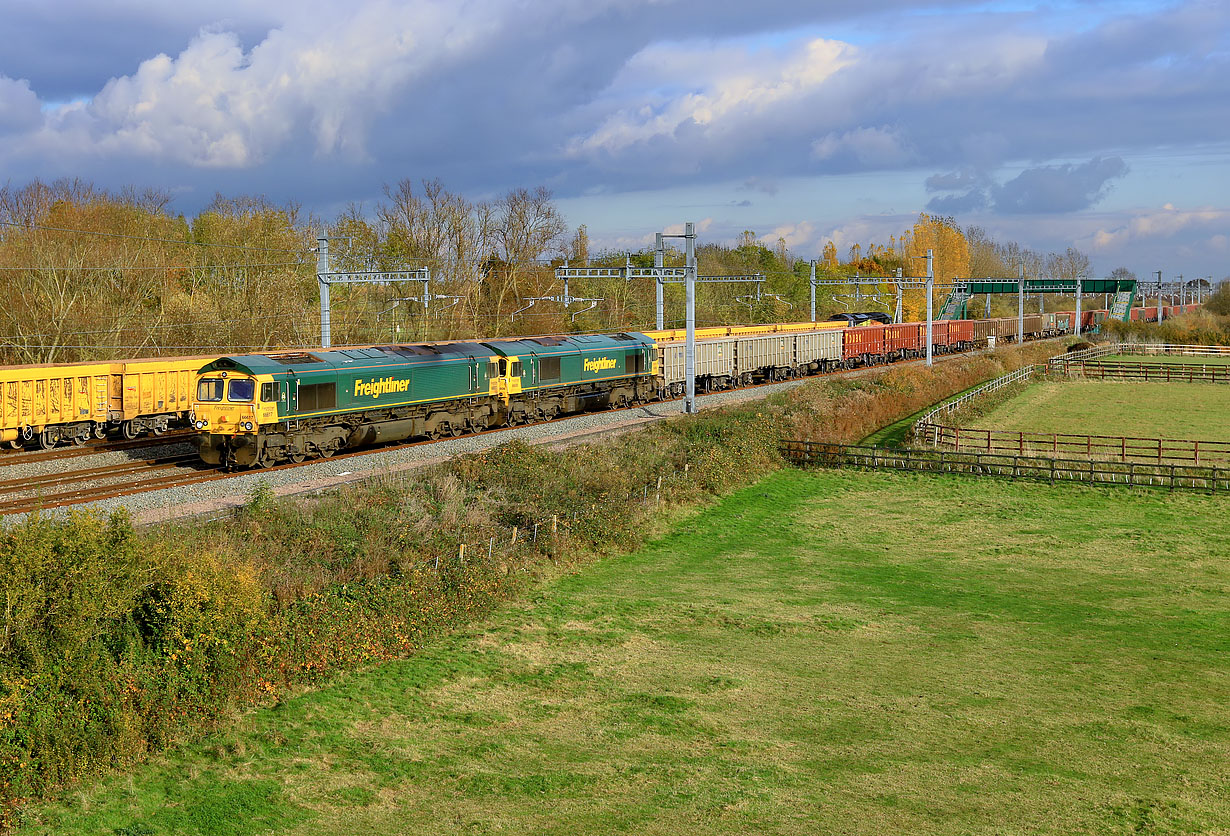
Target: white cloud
[711, 92]
[19, 108]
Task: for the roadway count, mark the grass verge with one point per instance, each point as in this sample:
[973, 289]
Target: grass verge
[820, 652]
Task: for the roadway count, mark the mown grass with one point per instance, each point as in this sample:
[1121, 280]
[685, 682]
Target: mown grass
[828, 652]
[1196, 411]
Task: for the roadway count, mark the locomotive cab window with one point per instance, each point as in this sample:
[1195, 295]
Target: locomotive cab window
[503, 366]
[516, 368]
[493, 369]
[209, 389]
[269, 393]
[241, 390]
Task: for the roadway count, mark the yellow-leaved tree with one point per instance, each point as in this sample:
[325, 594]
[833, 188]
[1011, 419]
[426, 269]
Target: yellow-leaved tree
[950, 256]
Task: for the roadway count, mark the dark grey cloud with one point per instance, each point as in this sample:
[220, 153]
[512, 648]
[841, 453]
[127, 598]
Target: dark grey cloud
[1058, 188]
[589, 94]
[1049, 189]
[959, 204]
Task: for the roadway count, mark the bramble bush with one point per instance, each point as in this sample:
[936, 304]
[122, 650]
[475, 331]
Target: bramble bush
[117, 643]
[1200, 327]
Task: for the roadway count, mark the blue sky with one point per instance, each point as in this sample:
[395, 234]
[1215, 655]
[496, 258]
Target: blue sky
[1095, 124]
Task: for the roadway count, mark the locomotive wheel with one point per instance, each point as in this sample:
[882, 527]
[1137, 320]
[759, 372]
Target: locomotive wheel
[297, 455]
[455, 430]
[129, 431]
[327, 451]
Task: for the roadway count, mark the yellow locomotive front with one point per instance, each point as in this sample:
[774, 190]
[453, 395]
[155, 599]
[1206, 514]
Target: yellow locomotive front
[229, 407]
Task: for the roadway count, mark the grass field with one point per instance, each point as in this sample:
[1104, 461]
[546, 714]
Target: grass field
[972, 656]
[1196, 411]
[1164, 358]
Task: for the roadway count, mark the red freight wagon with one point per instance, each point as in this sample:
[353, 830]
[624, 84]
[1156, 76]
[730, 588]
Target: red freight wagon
[983, 328]
[901, 340]
[864, 343]
[939, 333]
[961, 333]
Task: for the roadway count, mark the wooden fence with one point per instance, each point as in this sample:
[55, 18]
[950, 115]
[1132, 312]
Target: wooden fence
[1118, 448]
[1088, 471]
[1162, 372]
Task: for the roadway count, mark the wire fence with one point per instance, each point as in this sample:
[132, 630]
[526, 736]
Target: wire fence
[1034, 468]
[547, 533]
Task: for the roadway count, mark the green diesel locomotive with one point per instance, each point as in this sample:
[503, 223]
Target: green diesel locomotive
[261, 409]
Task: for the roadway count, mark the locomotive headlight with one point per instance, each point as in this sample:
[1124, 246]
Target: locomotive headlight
[247, 425]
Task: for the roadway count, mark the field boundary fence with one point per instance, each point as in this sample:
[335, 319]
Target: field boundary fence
[1118, 448]
[932, 429]
[1034, 468]
[546, 531]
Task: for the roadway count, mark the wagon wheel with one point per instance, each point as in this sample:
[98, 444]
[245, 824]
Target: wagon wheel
[129, 430]
[100, 430]
[15, 444]
[158, 430]
[81, 437]
[48, 439]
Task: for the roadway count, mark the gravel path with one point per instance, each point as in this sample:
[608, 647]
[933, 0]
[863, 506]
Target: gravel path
[214, 498]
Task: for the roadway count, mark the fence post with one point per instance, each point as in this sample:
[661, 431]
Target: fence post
[657, 500]
[490, 548]
[461, 554]
[554, 523]
[514, 537]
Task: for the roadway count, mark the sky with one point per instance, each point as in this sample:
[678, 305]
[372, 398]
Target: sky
[1098, 125]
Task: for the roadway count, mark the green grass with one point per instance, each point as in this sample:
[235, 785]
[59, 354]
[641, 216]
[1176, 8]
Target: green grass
[829, 652]
[1196, 411]
[1164, 358]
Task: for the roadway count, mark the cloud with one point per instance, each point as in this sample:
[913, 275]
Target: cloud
[19, 108]
[1052, 189]
[1058, 188]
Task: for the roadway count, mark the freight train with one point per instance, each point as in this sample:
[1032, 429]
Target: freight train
[258, 410]
[70, 403]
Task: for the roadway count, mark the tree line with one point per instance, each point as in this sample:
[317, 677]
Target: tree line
[96, 274]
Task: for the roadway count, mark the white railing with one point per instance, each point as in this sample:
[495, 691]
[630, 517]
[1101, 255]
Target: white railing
[1181, 350]
[927, 425]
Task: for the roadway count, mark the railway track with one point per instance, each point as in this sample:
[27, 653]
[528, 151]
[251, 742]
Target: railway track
[23, 495]
[23, 456]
